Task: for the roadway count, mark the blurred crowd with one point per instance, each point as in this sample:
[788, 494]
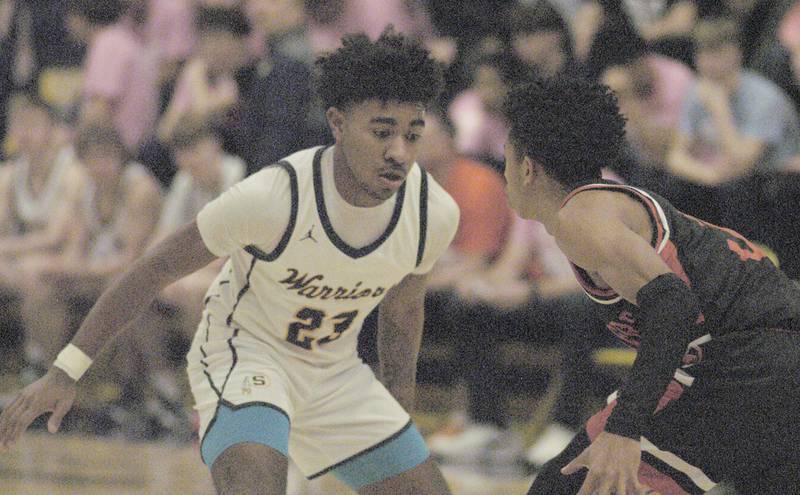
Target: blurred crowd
[120, 119]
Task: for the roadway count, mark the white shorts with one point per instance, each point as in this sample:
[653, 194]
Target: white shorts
[335, 413]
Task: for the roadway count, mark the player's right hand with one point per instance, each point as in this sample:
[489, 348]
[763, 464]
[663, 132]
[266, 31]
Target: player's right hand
[54, 393]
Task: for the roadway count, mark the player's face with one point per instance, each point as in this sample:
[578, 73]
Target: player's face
[379, 142]
[36, 126]
[720, 63]
[103, 163]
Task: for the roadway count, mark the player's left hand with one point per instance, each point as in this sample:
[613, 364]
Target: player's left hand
[613, 464]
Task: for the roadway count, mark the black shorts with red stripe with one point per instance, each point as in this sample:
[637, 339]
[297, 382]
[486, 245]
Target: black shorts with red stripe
[737, 423]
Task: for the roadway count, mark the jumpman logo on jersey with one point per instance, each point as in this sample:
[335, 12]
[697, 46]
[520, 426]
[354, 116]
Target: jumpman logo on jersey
[309, 235]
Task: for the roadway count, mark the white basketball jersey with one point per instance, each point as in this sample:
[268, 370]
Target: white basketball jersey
[309, 295]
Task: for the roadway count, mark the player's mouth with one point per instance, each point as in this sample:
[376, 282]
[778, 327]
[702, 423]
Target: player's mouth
[391, 180]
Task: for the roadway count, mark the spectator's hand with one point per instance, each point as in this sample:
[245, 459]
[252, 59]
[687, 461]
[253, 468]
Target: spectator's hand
[443, 49]
[613, 465]
[713, 96]
[53, 393]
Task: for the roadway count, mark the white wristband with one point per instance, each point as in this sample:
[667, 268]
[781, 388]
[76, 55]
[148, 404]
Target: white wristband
[73, 361]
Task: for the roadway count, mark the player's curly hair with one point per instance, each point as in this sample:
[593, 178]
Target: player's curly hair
[393, 68]
[571, 126]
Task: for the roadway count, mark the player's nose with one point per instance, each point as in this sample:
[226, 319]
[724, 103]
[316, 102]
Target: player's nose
[398, 151]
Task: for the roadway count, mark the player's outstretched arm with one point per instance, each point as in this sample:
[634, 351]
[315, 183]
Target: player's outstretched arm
[400, 319]
[175, 257]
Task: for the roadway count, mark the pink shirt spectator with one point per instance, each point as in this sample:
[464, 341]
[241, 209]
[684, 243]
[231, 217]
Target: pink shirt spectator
[170, 28]
[479, 133]
[789, 27]
[121, 68]
[670, 87]
[371, 17]
[185, 97]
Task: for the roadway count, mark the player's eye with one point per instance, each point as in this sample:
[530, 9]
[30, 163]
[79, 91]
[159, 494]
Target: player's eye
[413, 137]
[382, 133]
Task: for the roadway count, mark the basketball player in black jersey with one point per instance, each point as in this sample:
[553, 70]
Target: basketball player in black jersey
[714, 391]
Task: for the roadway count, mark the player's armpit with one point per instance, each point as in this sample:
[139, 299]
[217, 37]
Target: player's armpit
[595, 234]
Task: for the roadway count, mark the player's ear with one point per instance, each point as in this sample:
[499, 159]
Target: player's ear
[527, 170]
[335, 119]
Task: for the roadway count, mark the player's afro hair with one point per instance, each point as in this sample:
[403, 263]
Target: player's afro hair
[571, 126]
[393, 68]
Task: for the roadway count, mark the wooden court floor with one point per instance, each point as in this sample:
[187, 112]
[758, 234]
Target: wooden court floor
[44, 464]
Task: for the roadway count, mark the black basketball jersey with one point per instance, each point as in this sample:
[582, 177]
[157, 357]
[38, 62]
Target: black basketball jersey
[738, 286]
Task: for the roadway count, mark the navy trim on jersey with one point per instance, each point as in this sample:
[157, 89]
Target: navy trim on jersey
[326, 222]
[423, 216]
[228, 404]
[365, 451]
[253, 250]
[242, 291]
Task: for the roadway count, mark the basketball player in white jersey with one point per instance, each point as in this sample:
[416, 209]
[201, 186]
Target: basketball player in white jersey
[315, 243]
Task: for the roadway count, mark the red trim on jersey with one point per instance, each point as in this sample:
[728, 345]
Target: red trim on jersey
[648, 475]
[583, 279]
[645, 199]
[590, 287]
[670, 256]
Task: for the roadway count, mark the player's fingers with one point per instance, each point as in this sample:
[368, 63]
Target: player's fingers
[21, 424]
[575, 465]
[24, 417]
[589, 485]
[637, 488]
[9, 418]
[607, 487]
[54, 423]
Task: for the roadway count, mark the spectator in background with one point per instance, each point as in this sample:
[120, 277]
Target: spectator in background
[206, 88]
[483, 271]
[541, 42]
[272, 118]
[736, 128]
[170, 29]
[475, 112]
[39, 188]
[371, 17]
[121, 70]
[479, 192]
[205, 171]
[284, 26]
[651, 90]
[117, 215]
[781, 60]
[735, 122]
[40, 191]
[522, 296]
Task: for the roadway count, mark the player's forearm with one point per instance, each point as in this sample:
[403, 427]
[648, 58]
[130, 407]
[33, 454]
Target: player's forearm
[119, 305]
[668, 311]
[399, 339]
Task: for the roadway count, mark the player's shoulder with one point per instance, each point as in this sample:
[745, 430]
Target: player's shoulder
[303, 158]
[443, 211]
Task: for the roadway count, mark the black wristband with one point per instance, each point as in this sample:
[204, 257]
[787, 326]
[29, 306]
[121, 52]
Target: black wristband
[667, 311]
